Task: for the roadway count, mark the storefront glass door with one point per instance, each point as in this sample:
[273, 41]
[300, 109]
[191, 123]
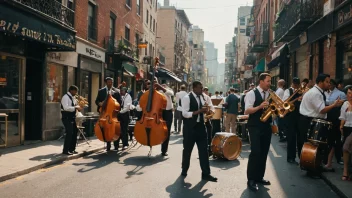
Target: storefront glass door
[10, 98]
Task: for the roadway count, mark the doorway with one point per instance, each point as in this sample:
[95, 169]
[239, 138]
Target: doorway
[33, 99]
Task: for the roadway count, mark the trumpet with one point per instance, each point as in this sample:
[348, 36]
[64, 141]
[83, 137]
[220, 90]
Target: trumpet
[209, 114]
[288, 104]
[276, 107]
[82, 102]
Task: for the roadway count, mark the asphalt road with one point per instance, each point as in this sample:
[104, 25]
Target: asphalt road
[132, 174]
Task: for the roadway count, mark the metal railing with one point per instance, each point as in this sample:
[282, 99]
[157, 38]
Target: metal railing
[122, 46]
[52, 9]
[298, 11]
[262, 35]
[338, 2]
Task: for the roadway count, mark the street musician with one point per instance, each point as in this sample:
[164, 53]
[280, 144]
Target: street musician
[313, 105]
[259, 132]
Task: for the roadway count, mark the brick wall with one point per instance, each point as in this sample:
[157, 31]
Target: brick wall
[330, 56]
[124, 15]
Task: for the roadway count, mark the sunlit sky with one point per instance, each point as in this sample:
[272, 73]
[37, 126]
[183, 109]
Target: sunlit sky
[217, 18]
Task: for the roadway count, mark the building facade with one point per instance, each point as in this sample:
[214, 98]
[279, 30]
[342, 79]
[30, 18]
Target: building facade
[211, 63]
[198, 71]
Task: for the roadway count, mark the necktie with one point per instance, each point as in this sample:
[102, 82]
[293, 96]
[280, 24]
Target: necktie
[263, 95]
[201, 116]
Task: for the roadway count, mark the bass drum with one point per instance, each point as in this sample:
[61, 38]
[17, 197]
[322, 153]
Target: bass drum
[226, 145]
[319, 130]
[310, 157]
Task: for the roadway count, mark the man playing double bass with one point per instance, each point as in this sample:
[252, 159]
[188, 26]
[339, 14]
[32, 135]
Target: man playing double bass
[102, 94]
[194, 131]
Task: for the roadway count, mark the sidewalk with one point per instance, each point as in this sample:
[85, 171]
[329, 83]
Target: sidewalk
[24, 159]
[333, 179]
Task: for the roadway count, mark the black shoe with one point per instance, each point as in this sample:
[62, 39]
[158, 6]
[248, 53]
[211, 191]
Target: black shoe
[164, 154]
[67, 153]
[116, 148]
[252, 185]
[292, 161]
[209, 178]
[73, 152]
[340, 162]
[184, 173]
[263, 182]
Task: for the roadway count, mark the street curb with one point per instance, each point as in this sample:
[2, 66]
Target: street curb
[333, 187]
[46, 164]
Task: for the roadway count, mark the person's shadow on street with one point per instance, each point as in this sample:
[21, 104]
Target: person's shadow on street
[262, 193]
[182, 189]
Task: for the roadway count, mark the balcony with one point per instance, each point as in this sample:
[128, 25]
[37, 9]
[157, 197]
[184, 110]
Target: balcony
[339, 2]
[121, 47]
[48, 8]
[296, 18]
[260, 39]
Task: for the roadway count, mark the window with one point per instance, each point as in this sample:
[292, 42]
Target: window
[136, 43]
[154, 25]
[138, 7]
[112, 27]
[55, 78]
[242, 21]
[242, 30]
[92, 29]
[151, 19]
[146, 50]
[129, 3]
[127, 33]
[147, 18]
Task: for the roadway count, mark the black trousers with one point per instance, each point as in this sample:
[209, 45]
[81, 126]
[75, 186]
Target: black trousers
[195, 135]
[71, 135]
[334, 139]
[124, 119]
[260, 137]
[281, 125]
[167, 116]
[304, 127]
[292, 131]
[209, 127]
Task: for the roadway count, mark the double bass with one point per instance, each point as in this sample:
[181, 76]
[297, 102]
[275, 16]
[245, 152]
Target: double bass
[151, 129]
[107, 128]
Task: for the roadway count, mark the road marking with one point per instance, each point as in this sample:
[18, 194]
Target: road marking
[273, 151]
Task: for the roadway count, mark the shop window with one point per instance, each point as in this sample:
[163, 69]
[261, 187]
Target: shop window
[84, 84]
[71, 73]
[55, 82]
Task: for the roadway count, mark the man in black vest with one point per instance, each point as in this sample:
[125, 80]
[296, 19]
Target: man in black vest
[102, 94]
[194, 131]
[124, 117]
[259, 132]
[68, 112]
[292, 121]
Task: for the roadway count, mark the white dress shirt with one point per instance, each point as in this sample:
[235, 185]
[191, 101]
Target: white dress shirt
[180, 95]
[126, 103]
[287, 93]
[168, 95]
[216, 97]
[186, 104]
[346, 115]
[250, 97]
[109, 90]
[67, 103]
[280, 92]
[312, 103]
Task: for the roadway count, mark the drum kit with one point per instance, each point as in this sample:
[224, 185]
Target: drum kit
[312, 151]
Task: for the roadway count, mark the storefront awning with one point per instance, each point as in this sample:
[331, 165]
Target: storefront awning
[127, 73]
[130, 67]
[166, 74]
[278, 56]
[260, 67]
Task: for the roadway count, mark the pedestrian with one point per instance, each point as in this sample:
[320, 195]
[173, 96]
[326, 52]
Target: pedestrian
[167, 114]
[178, 112]
[232, 102]
[124, 117]
[280, 121]
[259, 132]
[102, 94]
[69, 107]
[194, 131]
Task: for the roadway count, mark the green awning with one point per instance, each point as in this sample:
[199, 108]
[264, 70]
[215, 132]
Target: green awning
[129, 67]
[260, 67]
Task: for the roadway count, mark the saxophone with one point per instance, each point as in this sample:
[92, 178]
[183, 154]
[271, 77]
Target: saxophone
[81, 101]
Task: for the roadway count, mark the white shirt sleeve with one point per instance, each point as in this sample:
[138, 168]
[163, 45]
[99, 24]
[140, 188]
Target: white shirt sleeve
[185, 107]
[126, 104]
[343, 111]
[67, 104]
[249, 99]
[169, 92]
[210, 103]
[177, 97]
[286, 94]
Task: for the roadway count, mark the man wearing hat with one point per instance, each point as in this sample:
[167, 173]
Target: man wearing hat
[124, 116]
[102, 94]
[292, 121]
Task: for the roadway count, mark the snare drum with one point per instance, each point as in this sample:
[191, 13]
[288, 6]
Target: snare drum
[319, 130]
[226, 145]
[310, 157]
